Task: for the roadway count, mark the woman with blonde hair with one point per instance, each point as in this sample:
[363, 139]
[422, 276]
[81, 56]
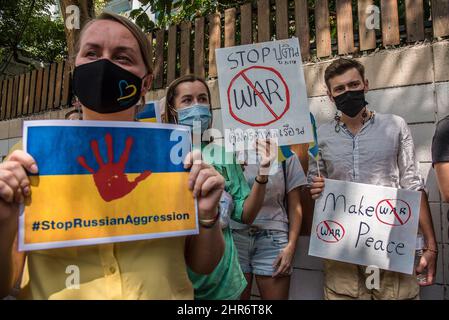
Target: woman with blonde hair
[111, 48]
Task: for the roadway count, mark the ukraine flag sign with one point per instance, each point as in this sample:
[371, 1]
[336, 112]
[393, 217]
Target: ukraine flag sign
[150, 113]
[104, 182]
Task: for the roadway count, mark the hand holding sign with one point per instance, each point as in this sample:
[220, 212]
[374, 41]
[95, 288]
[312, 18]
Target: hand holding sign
[14, 186]
[207, 184]
[267, 149]
[317, 187]
[14, 182]
[110, 179]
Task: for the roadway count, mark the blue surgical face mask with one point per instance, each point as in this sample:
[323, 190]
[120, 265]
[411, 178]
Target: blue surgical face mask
[196, 112]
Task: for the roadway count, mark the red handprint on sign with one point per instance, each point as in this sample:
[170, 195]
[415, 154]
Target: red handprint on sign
[110, 179]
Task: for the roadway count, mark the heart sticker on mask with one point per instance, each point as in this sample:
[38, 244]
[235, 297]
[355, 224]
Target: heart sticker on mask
[124, 86]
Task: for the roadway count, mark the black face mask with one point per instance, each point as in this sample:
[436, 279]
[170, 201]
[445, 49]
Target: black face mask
[351, 102]
[104, 87]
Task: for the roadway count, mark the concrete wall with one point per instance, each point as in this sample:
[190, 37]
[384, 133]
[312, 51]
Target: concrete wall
[412, 82]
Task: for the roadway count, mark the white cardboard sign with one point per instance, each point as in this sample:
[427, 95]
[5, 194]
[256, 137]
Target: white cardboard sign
[366, 225]
[263, 94]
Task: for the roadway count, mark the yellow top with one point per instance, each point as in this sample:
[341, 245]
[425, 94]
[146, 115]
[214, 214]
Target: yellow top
[149, 269]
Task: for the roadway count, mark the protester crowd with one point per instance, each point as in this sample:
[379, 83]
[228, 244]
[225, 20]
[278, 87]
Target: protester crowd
[249, 205]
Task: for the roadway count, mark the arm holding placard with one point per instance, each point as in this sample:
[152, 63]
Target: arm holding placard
[429, 258]
[409, 178]
[204, 251]
[267, 149]
[14, 187]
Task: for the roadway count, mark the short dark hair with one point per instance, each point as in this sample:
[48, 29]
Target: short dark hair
[340, 66]
[171, 94]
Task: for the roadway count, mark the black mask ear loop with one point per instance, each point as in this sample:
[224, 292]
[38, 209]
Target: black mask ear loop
[365, 109]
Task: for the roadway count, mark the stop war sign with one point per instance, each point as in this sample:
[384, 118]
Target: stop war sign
[262, 88]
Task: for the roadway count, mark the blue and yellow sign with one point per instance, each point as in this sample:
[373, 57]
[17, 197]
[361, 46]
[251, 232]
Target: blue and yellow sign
[150, 113]
[103, 182]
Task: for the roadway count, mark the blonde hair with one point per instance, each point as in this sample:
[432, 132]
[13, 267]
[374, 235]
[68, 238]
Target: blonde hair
[140, 36]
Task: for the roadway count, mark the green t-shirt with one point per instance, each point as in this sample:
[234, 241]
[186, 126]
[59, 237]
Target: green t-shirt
[227, 281]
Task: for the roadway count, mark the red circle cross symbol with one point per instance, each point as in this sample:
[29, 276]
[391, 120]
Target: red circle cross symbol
[273, 113]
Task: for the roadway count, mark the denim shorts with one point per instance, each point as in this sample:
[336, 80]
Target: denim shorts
[258, 249]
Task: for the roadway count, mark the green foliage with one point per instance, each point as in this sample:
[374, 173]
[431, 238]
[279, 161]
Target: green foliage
[99, 6]
[26, 26]
[174, 12]
[47, 41]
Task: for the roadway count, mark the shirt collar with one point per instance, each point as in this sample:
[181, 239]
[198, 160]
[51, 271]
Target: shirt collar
[366, 124]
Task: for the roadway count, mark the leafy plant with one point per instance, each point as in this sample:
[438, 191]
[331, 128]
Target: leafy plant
[28, 28]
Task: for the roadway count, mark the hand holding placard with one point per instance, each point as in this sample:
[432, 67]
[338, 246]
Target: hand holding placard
[267, 149]
[317, 187]
[206, 183]
[365, 224]
[15, 184]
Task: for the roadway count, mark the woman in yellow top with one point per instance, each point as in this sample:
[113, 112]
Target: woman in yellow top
[111, 47]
